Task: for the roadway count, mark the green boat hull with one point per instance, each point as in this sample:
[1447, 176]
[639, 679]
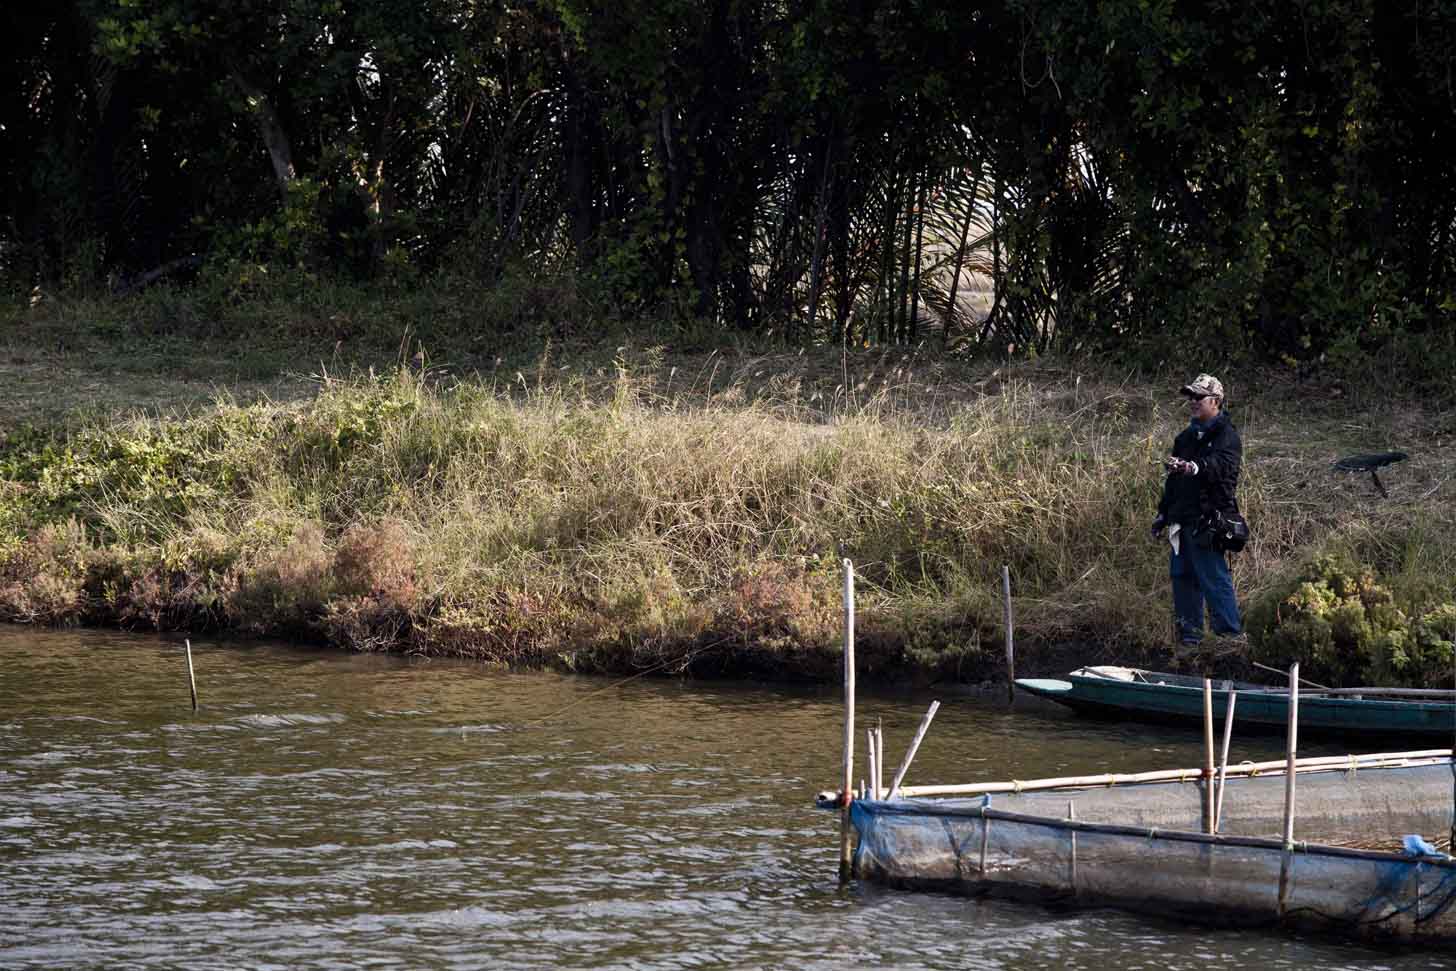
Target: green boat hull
[1165, 697]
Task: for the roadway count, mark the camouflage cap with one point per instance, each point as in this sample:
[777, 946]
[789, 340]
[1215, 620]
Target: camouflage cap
[1205, 385]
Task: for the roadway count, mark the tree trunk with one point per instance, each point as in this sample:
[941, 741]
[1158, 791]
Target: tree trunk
[270, 127]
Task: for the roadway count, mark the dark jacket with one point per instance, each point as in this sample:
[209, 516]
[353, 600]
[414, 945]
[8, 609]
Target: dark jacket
[1219, 454]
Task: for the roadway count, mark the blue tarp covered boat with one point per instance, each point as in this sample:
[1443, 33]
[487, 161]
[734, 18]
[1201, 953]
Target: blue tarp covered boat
[1140, 847]
[1224, 880]
[1139, 695]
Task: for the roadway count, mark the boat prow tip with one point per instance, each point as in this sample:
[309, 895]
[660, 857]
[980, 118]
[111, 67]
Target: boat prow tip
[1047, 687]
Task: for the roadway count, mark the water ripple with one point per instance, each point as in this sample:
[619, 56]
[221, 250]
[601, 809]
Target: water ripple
[331, 812]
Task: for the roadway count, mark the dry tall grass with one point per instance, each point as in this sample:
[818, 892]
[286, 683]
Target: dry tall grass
[693, 515]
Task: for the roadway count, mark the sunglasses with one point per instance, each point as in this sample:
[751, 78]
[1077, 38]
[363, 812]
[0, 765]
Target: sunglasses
[1197, 397]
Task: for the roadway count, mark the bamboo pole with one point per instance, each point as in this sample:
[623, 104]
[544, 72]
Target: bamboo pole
[877, 763]
[1308, 764]
[1010, 633]
[879, 756]
[914, 746]
[1208, 809]
[1228, 731]
[1292, 750]
[1072, 817]
[874, 787]
[1289, 776]
[846, 856]
[191, 677]
[985, 836]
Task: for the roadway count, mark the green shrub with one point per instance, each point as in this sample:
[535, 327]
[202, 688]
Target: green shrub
[1343, 626]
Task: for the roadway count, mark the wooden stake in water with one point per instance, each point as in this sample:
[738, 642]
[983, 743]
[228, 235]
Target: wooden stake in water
[910, 754]
[1291, 754]
[1072, 815]
[1010, 633]
[846, 852]
[880, 759]
[874, 789]
[1228, 731]
[1289, 775]
[191, 678]
[1208, 811]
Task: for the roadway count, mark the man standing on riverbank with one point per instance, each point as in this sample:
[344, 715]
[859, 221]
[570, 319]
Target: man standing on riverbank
[1203, 474]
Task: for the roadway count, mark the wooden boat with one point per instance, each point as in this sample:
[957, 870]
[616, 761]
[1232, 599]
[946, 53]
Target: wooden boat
[1083, 845]
[1139, 695]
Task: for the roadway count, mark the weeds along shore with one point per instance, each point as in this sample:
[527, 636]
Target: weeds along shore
[693, 519]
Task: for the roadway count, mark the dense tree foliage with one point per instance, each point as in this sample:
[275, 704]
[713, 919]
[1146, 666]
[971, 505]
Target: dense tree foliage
[1026, 174]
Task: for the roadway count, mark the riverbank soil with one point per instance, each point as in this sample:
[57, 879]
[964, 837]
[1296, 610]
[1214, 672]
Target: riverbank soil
[678, 509]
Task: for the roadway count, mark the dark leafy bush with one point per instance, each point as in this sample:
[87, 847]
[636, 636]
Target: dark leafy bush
[1344, 627]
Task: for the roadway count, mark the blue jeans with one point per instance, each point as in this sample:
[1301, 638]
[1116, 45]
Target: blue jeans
[1201, 575]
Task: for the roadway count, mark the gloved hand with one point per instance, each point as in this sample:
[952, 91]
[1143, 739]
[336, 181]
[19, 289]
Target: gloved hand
[1158, 525]
[1180, 467]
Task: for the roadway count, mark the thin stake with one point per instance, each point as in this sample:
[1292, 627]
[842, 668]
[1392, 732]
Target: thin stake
[914, 745]
[985, 837]
[1228, 731]
[871, 789]
[846, 856]
[1289, 775]
[870, 753]
[879, 757]
[879, 762]
[1010, 633]
[191, 678]
[1208, 810]
[1072, 815]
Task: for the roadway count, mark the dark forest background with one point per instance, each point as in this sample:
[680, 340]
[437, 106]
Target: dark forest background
[1031, 175]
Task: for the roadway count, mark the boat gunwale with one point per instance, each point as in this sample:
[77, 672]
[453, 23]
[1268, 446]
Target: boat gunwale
[1434, 699]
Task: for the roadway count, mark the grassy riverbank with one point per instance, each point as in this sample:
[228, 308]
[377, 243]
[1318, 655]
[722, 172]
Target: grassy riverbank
[644, 508]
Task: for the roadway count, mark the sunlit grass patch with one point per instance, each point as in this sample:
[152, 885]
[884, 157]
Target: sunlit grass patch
[680, 513]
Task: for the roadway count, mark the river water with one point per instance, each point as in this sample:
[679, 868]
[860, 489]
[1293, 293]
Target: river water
[327, 811]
